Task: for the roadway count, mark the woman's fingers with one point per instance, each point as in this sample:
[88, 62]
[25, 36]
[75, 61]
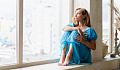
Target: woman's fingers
[80, 31]
[78, 41]
[78, 35]
[77, 38]
[80, 38]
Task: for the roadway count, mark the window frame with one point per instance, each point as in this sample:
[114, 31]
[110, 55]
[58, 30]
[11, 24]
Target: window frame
[111, 28]
[111, 32]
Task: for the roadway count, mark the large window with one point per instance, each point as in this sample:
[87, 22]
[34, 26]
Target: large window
[30, 31]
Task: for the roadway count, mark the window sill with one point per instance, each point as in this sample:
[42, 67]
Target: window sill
[104, 64]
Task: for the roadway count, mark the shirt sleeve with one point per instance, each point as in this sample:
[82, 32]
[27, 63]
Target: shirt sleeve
[92, 34]
[71, 25]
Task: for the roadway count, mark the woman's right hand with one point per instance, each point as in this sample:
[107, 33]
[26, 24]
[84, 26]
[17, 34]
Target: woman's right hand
[80, 37]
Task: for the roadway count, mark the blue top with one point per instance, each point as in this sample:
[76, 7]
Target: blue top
[81, 53]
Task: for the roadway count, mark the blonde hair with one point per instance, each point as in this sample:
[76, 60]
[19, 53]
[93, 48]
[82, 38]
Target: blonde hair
[86, 20]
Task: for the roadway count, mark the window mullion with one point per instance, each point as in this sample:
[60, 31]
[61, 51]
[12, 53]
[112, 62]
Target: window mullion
[19, 31]
[111, 28]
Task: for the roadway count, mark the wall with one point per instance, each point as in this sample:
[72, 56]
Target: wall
[94, 7]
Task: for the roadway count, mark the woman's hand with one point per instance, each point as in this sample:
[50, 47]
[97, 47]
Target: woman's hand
[80, 31]
[80, 37]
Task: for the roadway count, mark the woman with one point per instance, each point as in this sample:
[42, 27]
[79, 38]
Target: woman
[78, 40]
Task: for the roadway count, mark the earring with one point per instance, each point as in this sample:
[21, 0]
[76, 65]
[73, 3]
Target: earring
[84, 22]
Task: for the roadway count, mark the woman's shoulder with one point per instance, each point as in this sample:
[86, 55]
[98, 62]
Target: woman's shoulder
[91, 30]
[88, 28]
[92, 34]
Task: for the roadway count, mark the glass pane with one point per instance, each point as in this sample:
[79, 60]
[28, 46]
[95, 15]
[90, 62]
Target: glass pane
[106, 22]
[7, 32]
[42, 30]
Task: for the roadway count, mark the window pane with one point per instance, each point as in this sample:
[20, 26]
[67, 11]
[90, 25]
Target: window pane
[106, 22]
[7, 32]
[41, 30]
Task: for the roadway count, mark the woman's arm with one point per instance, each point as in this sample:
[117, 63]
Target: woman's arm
[68, 28]
[91, 45]
[80, 38]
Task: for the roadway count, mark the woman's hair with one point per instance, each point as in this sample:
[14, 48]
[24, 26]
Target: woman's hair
[86, 20]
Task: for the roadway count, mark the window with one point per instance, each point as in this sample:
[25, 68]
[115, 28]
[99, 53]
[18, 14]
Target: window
[42, 30]
[116, 4]
[106, 22]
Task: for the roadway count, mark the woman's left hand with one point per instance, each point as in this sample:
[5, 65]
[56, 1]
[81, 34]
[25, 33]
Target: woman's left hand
[80, 37]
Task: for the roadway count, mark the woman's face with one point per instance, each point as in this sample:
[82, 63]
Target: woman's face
[78, 16]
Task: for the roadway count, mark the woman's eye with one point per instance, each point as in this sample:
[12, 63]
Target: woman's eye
[77, 14]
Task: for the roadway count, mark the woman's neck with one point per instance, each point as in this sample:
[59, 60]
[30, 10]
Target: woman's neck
[81, 24]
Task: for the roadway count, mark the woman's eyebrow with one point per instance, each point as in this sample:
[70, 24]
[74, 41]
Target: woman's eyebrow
[78, 12]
